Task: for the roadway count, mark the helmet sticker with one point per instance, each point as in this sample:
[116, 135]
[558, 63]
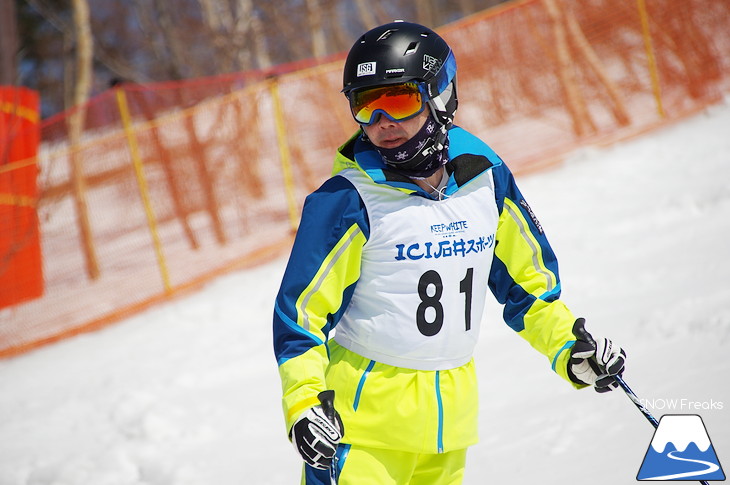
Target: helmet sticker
[366, 69]
[395, 72]
[430, 63]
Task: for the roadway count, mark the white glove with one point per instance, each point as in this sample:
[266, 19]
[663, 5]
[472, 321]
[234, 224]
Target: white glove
[594, 362]
[315, 436]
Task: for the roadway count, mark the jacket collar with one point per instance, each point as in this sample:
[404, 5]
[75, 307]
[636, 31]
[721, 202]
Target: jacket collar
[469, 157]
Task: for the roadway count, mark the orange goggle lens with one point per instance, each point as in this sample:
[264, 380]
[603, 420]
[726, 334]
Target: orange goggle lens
[398, 102]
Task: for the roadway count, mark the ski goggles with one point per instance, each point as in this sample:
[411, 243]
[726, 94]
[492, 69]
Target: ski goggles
[397, 102]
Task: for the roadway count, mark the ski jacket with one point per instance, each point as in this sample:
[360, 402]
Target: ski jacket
[399, 280]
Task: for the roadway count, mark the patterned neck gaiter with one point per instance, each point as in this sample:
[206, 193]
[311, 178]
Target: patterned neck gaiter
[422, 155]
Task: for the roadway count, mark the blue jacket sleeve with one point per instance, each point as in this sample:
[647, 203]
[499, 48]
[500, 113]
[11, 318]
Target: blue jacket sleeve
[524, 276]
[317, 285]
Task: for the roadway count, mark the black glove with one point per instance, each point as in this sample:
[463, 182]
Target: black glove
[317, 432]
[594, 362]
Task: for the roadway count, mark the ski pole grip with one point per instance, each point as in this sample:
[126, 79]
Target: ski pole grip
[327, 399]
[581, 333]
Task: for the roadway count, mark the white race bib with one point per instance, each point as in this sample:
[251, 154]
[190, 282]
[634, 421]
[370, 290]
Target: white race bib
[424, 275]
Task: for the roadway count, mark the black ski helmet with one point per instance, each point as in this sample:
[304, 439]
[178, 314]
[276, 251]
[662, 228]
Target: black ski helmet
[400, 52]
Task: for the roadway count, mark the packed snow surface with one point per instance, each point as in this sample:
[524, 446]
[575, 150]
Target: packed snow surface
[188, 393]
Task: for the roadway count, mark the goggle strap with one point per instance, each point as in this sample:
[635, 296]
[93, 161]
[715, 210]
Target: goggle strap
[439, 103]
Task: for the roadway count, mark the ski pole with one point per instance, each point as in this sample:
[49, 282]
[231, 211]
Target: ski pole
[581, 334]
[327, 398]
[621, 382]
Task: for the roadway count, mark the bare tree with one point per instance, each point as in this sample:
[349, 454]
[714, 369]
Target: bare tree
[81, 89]
[230, 25]
[366, 14]
[181, 63]
[425, 13]
[314, 12]
[260, 47]
[218, 18]
[8, 43]
[467, 7]
[340, 39]
[174, 39]
[84, 52]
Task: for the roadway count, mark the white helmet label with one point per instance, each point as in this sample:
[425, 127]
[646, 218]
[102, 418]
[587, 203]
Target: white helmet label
[430, 63]
[366, 69]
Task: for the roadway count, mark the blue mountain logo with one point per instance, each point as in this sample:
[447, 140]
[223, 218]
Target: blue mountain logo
[680, 450]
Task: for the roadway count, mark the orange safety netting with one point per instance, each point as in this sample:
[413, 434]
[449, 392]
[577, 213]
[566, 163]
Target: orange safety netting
[151, 189]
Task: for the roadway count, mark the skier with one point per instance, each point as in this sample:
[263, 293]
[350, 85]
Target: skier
[394, 256]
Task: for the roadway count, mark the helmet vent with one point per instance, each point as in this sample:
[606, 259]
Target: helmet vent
[411, 49]
[386, 34]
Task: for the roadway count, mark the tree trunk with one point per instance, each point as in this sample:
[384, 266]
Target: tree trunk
[8, 43]
[424, 13]
[466, 7]
[82, 87]
[218, 34]
[366, 14]
[341, 39]
[246, 22]
[314, 15]
[261, 53]
[181, 63]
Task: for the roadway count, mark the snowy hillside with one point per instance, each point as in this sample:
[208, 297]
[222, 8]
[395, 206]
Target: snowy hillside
[188, 392]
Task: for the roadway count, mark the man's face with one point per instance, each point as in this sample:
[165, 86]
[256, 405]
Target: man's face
[384, 133]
